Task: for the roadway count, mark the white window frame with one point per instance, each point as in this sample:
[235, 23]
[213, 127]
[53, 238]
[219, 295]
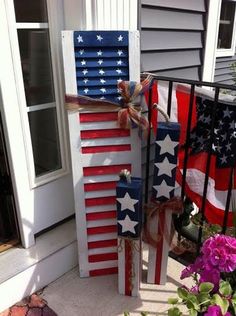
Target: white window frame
[227, 52]
[55, 25]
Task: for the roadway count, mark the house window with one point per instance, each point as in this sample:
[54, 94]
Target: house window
[227, 30]
[39, 93]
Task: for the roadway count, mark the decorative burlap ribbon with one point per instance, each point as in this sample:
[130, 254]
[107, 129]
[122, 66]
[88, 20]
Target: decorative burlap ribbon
[174, 205]
[128, 112]
[132, 245]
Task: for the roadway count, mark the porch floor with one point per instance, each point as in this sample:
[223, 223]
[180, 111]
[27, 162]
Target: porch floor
[98, 296]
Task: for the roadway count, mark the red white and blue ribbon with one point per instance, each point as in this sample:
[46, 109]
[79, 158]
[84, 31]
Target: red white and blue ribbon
[129, 113]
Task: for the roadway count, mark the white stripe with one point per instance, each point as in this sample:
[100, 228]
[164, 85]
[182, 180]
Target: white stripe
[106, 159]
[166, 247]
[103, 265]
[99, 193]
[103, 178]
[98, 251]
[102, 222]
[105, 141]
[100, 208]
[100, 237]
[99, 125]
[152, 252]
[121, 266]
[163, 91]
[195, 179]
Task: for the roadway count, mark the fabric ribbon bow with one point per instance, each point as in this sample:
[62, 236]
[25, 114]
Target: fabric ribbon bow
[128, 112]
[174, 205]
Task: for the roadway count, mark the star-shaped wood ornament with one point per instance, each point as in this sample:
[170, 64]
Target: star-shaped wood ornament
[128, 225]
[127, 203]
[167, 145]
[163, 189]
[165, 167]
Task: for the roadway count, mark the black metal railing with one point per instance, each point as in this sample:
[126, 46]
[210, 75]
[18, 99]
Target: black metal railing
[192, 84]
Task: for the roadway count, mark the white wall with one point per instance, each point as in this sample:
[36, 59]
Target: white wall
[101, 14]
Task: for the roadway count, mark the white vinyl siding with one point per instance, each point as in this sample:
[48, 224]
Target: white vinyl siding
[172, 37]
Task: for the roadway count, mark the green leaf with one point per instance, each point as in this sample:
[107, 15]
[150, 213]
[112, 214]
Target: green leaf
[126, 314]
[192, 302]
[174, 311]
[225, 288]
[206, 287]
[183, 293]
[192, 312]
[203, 298]
[144, 314]
[173, 300]
[222, 302]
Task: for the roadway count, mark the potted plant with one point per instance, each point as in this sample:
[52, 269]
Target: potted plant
[213, 292]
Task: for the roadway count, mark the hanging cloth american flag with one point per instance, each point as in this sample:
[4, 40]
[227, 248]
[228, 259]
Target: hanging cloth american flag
[223, 157]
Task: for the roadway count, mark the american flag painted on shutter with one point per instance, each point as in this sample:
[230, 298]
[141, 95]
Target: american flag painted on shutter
[99, 148]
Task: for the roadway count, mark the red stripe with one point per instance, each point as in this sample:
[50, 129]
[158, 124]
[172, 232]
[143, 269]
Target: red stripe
[100, 215]
[102, 243]
[159, 250]
[103, 271]
[102, 230]
[103, 170]
[105, 133]
[104, 149]
[100, 201]
[103, 257]
[128, 268]
[100, 186]
[98, 117]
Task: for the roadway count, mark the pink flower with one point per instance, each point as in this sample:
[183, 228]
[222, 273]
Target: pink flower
[219, 252]
[215, 310]
[212, 276]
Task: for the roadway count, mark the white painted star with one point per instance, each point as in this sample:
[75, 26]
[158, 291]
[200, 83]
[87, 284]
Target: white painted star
[223, 159]
[207, 119]
[167, 145]
[103, 90]
[227, 113]
[119, 62]
[128, 225]
[120, 38]
[214, 147]
[228, 146]
[85, 80]
[80, 39]
[119, 52]
[165, 167]
[163, 189]
[83, 62]
[99, 38]
[100, 61]
[119, 71]
[85, 71]
[232, 125]
[86, 90]
[101, 71]
[127, 203]
[102, 80]
[119, 98]
[99, 53]
[224, 136]
[81, 51]
[119, 80]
